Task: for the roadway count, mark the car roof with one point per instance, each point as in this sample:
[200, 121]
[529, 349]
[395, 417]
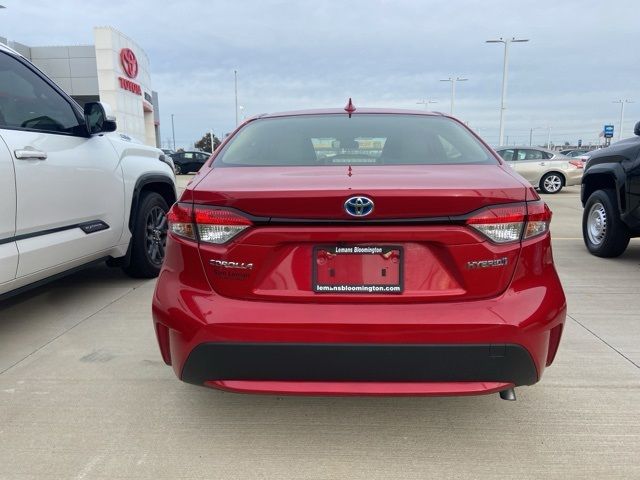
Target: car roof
[10, 50]
[542, 149]
[358, 111]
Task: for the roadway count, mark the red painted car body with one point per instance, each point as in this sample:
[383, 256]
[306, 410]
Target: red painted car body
[470, 315]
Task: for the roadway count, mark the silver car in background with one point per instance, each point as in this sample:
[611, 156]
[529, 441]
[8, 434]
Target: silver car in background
[582, 155]
[547, 170]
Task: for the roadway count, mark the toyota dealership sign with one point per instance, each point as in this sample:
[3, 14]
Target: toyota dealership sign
[129, 64]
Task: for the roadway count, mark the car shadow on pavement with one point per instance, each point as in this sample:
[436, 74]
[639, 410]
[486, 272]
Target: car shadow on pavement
[70, 286]
[631, 254]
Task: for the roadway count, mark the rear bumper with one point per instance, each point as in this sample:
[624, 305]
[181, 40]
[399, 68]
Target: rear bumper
[573, 177]
[211, 362]
[438, 348]
[466, 348]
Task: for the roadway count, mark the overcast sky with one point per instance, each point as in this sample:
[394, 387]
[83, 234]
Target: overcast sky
[582, 56]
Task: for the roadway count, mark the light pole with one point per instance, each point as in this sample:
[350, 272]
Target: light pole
[622, 104]
[505, 73]
[235, 82]
[453, 81]
[213, 147]
[548, 137]
[426, 103]
[173, 131]
[531, 134]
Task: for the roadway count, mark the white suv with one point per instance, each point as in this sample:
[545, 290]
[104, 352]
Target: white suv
[72, 192]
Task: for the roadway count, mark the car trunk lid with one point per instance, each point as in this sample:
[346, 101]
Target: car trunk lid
[399, 192]
[414, 241]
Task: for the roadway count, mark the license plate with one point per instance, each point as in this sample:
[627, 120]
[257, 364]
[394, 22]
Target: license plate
[361, 269]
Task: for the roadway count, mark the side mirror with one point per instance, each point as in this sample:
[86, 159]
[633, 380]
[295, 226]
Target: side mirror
[636, 130]
[99, 118]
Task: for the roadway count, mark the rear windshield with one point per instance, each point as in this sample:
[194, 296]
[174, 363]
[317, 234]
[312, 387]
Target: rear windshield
[365, 139]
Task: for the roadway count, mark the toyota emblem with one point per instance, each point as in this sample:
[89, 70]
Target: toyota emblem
[129, 62]
[358, 206]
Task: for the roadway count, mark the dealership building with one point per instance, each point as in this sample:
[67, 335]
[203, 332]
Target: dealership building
[114, 70]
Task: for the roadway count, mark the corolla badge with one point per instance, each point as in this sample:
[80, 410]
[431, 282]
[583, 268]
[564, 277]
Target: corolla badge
[234, 265]
[358, 206]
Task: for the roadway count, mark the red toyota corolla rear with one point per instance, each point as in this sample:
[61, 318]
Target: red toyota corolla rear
[377, 252]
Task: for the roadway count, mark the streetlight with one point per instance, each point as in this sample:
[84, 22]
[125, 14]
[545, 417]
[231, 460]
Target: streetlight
[235, 82]
[426, 103]
[173, 131]
[531, 134]
[622, 103]
[453, 88]
[503, 107]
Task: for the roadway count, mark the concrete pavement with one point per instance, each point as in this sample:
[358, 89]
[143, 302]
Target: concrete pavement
[84, 394]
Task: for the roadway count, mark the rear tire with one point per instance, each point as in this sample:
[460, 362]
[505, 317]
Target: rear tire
[551, 182]
[177, 169]
[149, 237]
[604, 234]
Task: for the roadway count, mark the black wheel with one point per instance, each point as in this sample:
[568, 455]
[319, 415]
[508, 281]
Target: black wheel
[149, 237]
[604, 233]
[177, 169]
[551, 182]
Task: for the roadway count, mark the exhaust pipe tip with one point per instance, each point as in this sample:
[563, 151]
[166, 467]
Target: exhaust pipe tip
[508, 394]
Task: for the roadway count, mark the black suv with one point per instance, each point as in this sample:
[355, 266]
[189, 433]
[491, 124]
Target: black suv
[611, 197]
[185, 162]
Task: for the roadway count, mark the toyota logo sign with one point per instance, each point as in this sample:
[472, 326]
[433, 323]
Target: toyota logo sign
[358, 206]
[129, 62]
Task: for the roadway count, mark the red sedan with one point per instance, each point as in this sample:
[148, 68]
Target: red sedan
[376, 252]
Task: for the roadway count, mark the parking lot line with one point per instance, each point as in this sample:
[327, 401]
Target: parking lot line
[605, 342]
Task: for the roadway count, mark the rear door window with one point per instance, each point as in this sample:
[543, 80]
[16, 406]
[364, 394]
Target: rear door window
[530, 154]
[507, 155]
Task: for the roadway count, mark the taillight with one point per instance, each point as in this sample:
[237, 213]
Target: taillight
[206, 224]
[218, 226]
[506, 224]
[180, 219]
[576, 163]
[500, 224]
[538, 219]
